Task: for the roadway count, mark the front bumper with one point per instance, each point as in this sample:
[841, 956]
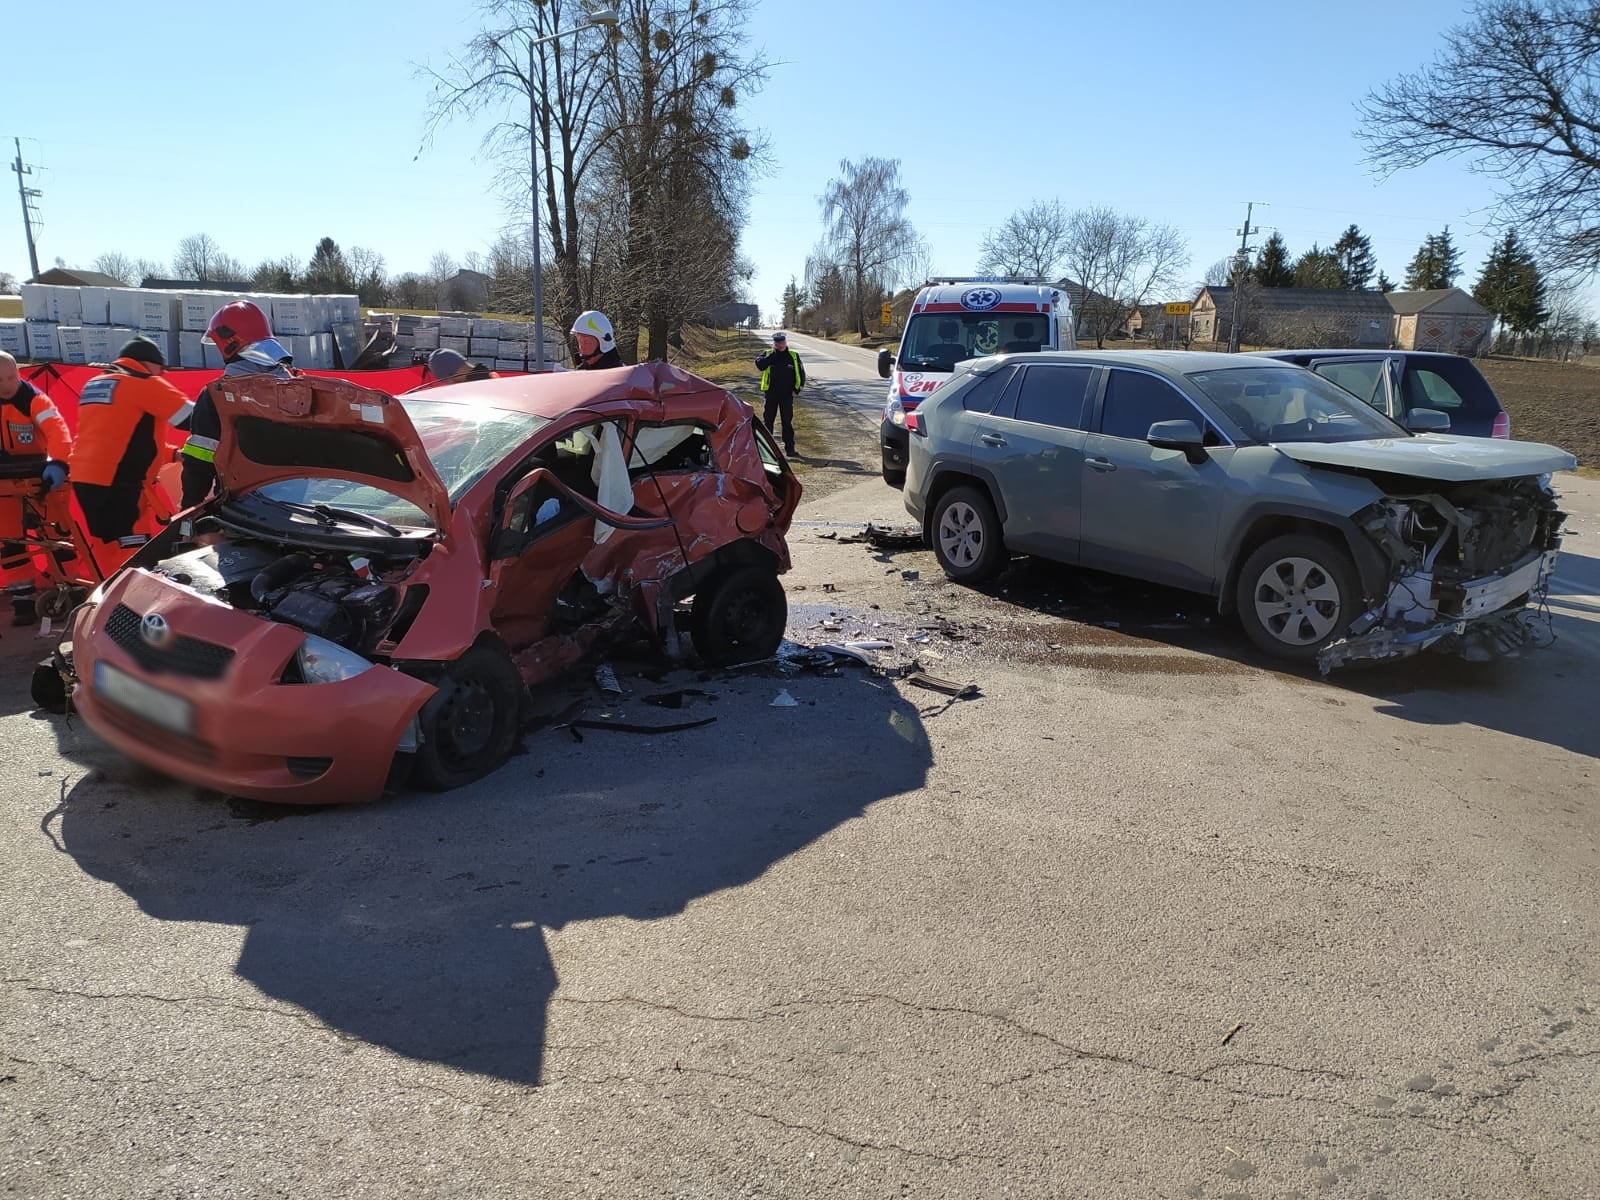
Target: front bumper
[896, 445]
[1481, 617]
[243, 732]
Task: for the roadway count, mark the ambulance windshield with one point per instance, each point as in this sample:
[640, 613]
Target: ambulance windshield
[938, 341]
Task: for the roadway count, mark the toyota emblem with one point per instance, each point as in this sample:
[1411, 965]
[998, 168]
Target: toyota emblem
[154, 629]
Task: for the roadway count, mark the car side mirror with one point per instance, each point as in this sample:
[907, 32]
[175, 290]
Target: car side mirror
[507, 542]
[1427, 420]
[885, 364]
[1179, 435]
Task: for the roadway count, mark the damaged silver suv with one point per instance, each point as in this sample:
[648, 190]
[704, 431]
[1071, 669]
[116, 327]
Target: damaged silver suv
[1336, 534]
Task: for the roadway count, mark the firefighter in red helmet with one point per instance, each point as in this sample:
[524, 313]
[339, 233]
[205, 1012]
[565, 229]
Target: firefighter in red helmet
[242, 335]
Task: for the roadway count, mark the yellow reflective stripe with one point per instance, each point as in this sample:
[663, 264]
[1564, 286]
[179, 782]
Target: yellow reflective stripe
[199, 452]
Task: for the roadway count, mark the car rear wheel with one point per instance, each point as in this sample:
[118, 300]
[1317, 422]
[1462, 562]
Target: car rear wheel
[1296, 594]
[470, 728]
[739, 616]
[966, 536]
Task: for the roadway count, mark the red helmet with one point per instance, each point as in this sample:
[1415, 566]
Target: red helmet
[236, 326]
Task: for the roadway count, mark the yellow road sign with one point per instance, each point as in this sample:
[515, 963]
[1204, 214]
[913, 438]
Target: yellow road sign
[887, 315]
[1180, 309]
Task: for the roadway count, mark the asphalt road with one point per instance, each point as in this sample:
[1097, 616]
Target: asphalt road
[1148, 917]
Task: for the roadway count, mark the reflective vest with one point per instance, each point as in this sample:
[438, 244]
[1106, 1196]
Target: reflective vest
[794, 361]
[30, 425]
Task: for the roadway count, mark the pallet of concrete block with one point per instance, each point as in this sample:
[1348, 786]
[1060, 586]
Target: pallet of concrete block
[14, 336]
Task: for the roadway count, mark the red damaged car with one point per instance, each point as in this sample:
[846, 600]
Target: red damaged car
[379, 579]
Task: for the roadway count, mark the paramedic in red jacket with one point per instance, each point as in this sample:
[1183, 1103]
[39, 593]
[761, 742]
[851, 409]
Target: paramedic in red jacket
[32, 430]
[123, 414]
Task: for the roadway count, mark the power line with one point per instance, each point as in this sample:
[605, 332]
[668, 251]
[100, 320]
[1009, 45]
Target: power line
[30, 210]
[1241, 264]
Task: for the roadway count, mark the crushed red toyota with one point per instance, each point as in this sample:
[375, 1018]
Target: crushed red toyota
[380, 579]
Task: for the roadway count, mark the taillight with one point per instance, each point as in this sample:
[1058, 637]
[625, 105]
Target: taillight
[914, 423]
[1502, 426]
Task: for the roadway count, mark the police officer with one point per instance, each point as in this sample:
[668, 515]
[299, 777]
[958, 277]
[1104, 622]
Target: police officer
[30, 430]
[122, 413]
[782, 377]
[243, 337]
[597, 342]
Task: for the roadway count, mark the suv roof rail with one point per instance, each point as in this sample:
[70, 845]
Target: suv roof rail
[1023, 279]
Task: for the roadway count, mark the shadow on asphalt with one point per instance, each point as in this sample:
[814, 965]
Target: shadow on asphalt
[1544, 695]
[418, 923]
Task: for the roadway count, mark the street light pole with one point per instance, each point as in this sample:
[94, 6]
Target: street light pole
[599, 16]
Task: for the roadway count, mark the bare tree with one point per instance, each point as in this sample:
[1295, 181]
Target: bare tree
[1120, 261]
[130, 271]
[1516, 93]
[8, 284]
[278, 275]
[1220, 273]
[370, 273]
[864, 211]
[1030, 242]
[199, 257]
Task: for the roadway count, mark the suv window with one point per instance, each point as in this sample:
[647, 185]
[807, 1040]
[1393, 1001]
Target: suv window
[983, 395]
[1135, 401]
[1053, 395]
[1364, 380]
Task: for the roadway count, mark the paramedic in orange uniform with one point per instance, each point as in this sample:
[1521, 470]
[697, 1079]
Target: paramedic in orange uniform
[121, 446]
[30, 429]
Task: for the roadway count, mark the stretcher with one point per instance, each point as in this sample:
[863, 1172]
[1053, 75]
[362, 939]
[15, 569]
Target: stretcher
[67, 569]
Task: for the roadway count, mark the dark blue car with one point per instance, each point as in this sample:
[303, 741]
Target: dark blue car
[1397, 381]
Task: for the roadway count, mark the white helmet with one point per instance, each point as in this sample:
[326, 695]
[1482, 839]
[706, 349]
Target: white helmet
[596, 326]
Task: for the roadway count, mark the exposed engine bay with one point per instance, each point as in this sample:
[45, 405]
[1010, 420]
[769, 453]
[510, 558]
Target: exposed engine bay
[1470, 568]
[347, 599]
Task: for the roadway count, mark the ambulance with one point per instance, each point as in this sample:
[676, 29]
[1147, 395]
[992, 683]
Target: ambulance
[953, 320]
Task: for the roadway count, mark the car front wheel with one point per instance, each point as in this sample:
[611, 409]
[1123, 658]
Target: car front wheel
[966, 536]
[470, 728]
[1296, 594]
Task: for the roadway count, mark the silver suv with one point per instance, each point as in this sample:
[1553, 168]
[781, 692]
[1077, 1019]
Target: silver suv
[1336, 534]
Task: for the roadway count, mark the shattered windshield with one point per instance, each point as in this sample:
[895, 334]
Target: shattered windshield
[938, 341]
[463, 441]
[1291, 404]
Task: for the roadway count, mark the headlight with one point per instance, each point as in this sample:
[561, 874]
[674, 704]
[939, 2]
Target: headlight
[897, 413]
[322, 661]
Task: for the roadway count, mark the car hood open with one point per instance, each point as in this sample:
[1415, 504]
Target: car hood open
[318, 428]
[1435, 456]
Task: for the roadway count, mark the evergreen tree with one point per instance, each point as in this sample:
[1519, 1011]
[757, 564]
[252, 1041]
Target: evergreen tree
[1436, 265]
[1356, 263]
[1318, 268]
[1272, 267]
[328, 270]
[793, 301]
[1385, 284]
[1510, 286]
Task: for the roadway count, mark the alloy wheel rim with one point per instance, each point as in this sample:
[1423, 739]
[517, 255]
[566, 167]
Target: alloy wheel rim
[1297, 601]
[961, 534]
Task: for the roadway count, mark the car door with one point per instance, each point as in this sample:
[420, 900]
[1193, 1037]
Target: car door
[1149, 512]
[1372, 379]
[546, 533]
[1032, 446]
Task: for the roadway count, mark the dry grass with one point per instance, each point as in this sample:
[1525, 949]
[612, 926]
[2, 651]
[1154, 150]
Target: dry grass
[10, 306]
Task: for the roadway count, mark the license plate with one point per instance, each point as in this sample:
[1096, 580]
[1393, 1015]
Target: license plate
[158, 707]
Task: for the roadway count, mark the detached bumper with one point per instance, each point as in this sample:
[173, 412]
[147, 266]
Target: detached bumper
[1481, 618]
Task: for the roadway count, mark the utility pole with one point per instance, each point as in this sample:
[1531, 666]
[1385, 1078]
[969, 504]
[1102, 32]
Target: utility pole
[1241, 262]
[26, 194]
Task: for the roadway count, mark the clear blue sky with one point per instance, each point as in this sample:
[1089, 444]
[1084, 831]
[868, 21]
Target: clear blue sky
[1173, 111]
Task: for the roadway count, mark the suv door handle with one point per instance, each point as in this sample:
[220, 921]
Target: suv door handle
[1101, 464]
[992, 439]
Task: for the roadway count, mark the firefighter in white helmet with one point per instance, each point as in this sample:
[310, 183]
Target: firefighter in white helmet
[597, 344]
